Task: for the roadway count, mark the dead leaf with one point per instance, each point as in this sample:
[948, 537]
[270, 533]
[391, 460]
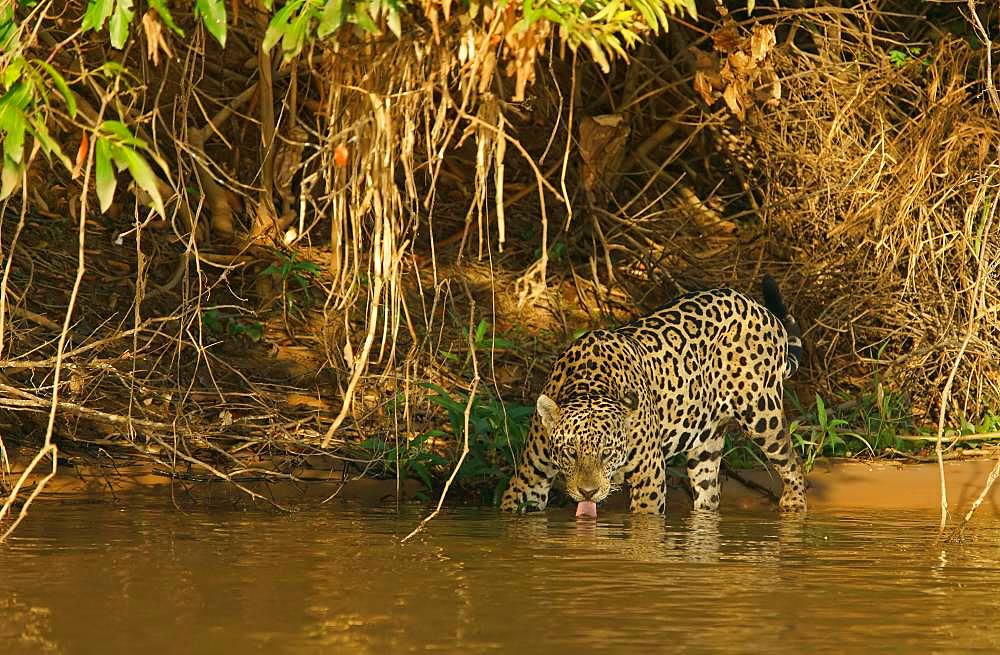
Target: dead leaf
[608, 120]
[602, 149]
[154, 37]
[761, 41]
[732, 97]
[740, 63]
[704, 87]
[727, 38]
[81, 155]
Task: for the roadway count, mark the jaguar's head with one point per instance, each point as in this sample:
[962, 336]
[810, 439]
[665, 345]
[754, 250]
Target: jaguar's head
[586, 438]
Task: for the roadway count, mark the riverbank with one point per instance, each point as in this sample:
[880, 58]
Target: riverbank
[834, 484]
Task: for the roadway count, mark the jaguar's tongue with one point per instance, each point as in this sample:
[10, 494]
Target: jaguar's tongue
[586, 508]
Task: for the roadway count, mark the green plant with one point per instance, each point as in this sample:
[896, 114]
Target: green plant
[411, 458]
[26, 105]
[220, 323]
[497, 431]
[737, 452]
[604, 27]
[296, 277]
[485, 339]
[901, 57]
[211, 12]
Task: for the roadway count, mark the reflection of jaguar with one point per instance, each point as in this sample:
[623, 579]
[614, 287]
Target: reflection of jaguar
[619, 402]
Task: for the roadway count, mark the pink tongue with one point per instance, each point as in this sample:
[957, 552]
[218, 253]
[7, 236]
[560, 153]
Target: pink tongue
[586, 508]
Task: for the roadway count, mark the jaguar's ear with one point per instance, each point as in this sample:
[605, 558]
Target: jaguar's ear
[548, 410]
[631, 400]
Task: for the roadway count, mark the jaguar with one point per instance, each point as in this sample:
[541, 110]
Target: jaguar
[619, 403]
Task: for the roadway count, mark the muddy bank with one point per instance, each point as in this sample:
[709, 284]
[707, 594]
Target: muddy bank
[833, 484]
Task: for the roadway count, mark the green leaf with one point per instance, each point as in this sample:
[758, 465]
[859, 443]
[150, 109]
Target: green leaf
[394, 23]
[97, 12]
[62, 87]
[45, 140]
[111, 69]
[278, 25]
[213, 15]
[10, 177]
[750, 6]
[121, 131]
[165, 16]
[331, 18]
[143, 176]
[308, 267]
[275, 31]
[8, 27]
[104, 174]
[13, 124]
[646, 11]
[362, 19]
[295, 36]
[121, 18]
[13, 72]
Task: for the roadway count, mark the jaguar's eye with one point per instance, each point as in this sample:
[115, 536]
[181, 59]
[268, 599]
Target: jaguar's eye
[607, 454]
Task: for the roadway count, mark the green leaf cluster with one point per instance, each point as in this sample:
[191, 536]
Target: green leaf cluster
[118, 15]
[497, 431]
[605, 27]
[220, 323]
[299, 21]
[26, 86]
[117, 150]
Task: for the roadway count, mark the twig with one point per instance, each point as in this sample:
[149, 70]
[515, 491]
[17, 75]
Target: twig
[973, 323]
[10, 261]
[221, 213]
[465, 429]
[750, 484]
[360, 362]
[990, 479]
[985, 436]
[984, 36]
[49, 448]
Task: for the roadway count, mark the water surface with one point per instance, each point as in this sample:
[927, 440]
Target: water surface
[143, 577]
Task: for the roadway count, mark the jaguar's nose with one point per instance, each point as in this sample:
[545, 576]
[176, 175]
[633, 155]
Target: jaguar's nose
[588, 494]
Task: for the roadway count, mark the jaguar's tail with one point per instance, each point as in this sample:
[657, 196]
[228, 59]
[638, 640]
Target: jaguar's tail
[773, 301]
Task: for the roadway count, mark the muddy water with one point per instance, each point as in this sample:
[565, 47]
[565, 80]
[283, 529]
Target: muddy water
[101, 578]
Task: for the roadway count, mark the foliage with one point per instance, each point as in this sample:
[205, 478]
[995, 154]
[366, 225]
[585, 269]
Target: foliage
[25, 107]
[115, 144]
[604, 27]
[497, 431]
[220, 323]
[296, 277]
[409, 459]
[211, 12]
[900, 57]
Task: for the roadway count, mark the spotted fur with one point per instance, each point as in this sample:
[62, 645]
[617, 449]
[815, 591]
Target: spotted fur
[618, 403]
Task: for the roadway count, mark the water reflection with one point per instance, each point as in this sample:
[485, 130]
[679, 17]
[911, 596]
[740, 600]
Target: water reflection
[96, 578]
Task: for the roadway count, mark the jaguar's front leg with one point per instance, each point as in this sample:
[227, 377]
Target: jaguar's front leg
[647, 484]
[529, 489]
